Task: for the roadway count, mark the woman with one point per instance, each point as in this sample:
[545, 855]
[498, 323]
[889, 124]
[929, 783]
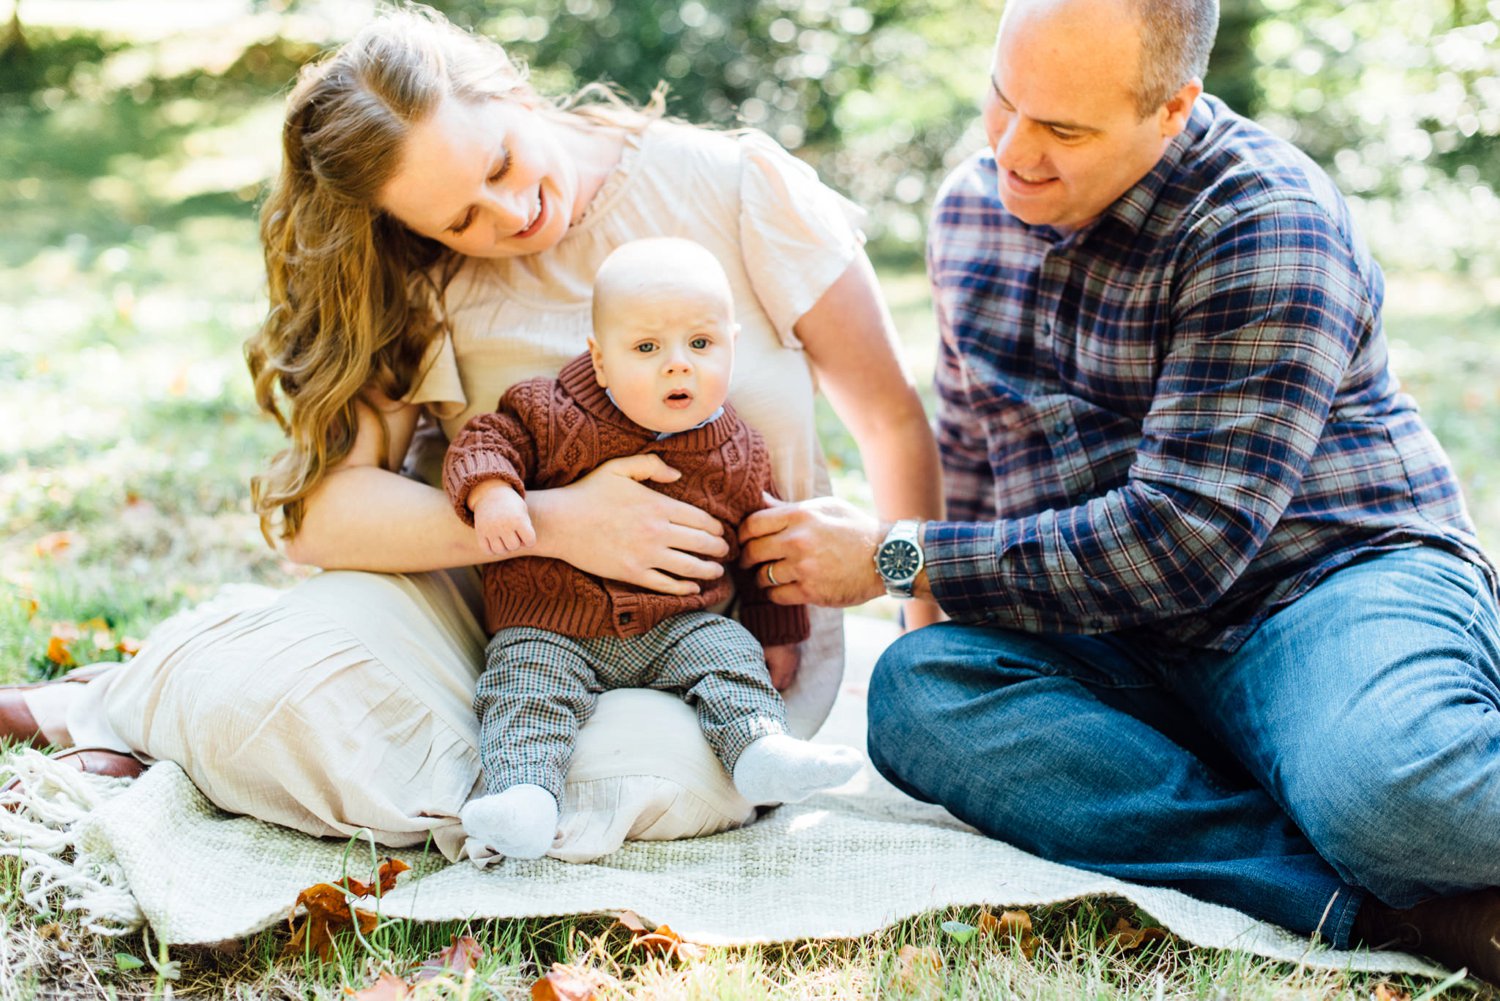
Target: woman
[431, 239]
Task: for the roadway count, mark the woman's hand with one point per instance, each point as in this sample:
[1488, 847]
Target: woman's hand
[611, 525]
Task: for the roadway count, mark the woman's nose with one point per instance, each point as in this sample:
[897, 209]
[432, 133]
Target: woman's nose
[511, 209]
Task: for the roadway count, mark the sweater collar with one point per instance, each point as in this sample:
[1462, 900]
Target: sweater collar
[577, 380]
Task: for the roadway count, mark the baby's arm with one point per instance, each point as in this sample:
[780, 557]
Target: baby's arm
[500, 517]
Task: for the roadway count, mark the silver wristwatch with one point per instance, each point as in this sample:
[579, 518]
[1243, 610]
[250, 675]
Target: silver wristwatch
[898, 559]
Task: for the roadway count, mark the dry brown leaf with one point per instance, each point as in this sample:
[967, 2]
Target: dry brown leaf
[632, 922]
[388, 988]
[1127, 936]
[1010, 924]
[562, 984]
[1385, 992]
[919, 970]
[460, 957]
[660, 940]
[385, 879]
[328, 912]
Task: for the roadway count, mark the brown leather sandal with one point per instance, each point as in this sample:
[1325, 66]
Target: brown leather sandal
[91, 761]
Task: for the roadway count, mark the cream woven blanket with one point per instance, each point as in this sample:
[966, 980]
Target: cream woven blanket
[845, 864]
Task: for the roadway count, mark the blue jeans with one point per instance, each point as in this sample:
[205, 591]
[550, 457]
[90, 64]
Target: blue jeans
[1351, 746]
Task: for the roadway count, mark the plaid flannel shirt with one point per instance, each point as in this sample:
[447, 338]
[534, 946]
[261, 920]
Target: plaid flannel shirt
[1179, 417]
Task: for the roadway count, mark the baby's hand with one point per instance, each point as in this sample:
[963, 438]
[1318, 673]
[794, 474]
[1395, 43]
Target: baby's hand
[782, 662]
[500, 517]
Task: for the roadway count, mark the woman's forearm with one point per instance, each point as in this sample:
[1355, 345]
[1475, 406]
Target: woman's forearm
[366, 518]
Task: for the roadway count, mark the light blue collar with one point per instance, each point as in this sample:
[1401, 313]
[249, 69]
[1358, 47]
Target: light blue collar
[664, 435]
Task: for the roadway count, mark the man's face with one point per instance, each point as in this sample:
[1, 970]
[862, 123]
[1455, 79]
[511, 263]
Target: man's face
[1060, 113]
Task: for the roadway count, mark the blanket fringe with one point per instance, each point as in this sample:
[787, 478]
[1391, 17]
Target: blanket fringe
[42, 824]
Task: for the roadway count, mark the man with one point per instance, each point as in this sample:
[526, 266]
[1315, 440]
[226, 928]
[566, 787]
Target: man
[1220, 620]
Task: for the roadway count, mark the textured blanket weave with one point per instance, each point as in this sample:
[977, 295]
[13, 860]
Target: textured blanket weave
[845, 864]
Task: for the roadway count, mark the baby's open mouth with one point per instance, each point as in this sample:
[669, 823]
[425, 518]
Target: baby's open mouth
[679, 398]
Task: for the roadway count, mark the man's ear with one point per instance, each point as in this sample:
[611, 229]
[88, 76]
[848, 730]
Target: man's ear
[597, 357]
[1179, 108]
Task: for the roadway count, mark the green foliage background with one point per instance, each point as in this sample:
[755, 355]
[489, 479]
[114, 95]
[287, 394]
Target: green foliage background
[132, 159]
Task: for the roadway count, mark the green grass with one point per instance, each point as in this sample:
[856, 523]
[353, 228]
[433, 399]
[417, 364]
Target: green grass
[126, 289]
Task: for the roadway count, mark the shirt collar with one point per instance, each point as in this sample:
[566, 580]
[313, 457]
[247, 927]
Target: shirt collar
[1134, 207]
[664, 435]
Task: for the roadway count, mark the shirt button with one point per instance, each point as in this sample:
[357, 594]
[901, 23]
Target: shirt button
[624, 618]
[1061, 427]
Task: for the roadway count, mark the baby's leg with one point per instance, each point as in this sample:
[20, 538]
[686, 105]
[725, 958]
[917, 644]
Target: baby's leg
[537, 688]
[721, 671]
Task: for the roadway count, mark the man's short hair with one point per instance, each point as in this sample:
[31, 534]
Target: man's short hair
[1176, 38]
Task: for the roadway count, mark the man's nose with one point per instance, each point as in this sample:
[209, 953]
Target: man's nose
[1015, 146]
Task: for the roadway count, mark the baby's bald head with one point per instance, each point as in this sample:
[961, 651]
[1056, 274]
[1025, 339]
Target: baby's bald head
[641, 274]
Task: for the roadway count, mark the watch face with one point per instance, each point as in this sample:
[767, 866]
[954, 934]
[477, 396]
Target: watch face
[899, 560]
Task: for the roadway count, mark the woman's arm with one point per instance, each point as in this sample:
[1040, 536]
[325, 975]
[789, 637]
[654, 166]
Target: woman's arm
[851, 341]
[365, 517]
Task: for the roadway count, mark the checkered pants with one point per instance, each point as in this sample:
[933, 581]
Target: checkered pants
[539, 687]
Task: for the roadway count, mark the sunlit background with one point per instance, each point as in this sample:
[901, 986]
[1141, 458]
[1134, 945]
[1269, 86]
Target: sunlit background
[136, 139]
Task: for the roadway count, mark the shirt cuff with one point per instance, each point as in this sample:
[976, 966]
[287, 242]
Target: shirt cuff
[963, 570]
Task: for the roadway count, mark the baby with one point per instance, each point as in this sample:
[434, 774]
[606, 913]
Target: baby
[654, 379]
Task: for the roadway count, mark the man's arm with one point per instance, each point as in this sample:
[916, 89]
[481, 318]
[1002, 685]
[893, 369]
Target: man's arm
[1266, 317]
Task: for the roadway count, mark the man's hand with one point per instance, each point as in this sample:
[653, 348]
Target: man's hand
[501, 518]
[783, 662]
[820, 551]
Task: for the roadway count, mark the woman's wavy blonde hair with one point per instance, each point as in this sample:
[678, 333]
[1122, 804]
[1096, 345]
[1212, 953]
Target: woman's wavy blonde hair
[354, 295]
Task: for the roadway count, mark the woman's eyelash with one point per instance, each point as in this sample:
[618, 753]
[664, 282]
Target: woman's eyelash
[503, 169]
[500, 172]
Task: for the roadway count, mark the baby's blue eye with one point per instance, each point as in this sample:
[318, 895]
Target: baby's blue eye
[645, 349]
[698, 343]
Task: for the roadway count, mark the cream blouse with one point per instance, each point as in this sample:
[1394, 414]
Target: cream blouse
[783, 238]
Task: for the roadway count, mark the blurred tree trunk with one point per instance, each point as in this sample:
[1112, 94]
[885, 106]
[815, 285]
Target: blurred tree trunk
[14, 47]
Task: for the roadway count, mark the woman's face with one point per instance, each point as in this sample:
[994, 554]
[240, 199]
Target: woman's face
[490, 178]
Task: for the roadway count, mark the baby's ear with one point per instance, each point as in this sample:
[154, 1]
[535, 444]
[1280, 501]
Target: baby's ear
[598, 359]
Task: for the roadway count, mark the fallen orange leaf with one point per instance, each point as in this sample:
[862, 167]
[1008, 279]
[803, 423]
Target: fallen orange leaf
[1012, 926]
[660, 940]
[460, 957]
[919, 969]
[1127, 936]
[561, 984]
[328, 912]
[388, 987]
[1385, 992]
[385, 879]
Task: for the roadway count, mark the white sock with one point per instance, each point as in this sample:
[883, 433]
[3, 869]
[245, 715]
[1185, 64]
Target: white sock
[518, 823]
[779, 768]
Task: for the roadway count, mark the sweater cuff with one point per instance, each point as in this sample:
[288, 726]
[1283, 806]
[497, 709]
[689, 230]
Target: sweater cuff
[462, 472]
[776, 625]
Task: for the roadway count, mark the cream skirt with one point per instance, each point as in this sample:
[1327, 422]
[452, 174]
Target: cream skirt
[343, 705]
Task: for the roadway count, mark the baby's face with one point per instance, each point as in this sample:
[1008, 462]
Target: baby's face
[666, 354]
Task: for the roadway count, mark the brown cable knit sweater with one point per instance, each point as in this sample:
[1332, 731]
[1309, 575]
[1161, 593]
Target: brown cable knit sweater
[549, 432]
